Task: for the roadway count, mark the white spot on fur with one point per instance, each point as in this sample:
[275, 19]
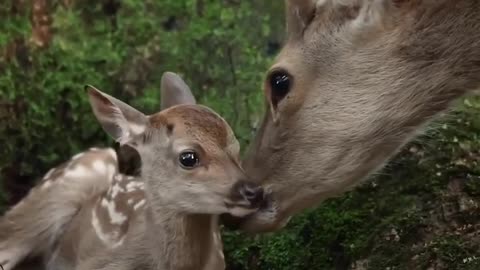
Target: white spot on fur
[135, 185]
[136, 128]
[115, 216]
[112, 153]
[100, 166]
[78, 172]
[110, 171]
[96, 227]
[139, 204]
[241, 211]
[116, 189]
[104, 202]
[49, 173]
[109, 238]
[130, 201]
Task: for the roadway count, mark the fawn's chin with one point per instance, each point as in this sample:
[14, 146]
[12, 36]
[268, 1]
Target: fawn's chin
[263, 220]
[240, 211]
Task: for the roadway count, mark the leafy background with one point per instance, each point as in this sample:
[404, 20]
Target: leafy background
[421, 212]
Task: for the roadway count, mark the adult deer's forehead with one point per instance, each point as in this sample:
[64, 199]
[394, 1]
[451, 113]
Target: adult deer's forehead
[198, 122]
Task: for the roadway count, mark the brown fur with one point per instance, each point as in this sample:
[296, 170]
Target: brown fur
[367, 76]
[188, 118]
[178, 228]
[35, 224]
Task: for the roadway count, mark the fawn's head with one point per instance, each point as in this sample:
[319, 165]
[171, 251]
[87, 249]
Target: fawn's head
[189, 154]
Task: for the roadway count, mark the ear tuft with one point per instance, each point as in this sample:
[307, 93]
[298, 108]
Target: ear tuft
[299, 15]
[87, 87]
[376, 14]
[175, 91]
[122, 122]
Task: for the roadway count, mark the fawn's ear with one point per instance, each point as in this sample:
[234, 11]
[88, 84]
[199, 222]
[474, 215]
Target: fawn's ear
[122, 122]
[299, 15]
[175, 91]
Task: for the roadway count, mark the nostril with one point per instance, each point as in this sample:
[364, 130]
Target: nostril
[251, 193]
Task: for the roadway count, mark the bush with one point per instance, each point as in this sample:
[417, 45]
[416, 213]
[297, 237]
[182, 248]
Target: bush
[123, 48]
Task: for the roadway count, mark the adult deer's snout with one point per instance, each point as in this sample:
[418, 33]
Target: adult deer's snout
[249, 192]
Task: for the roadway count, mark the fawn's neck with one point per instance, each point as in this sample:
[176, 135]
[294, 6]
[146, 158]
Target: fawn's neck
[183, 241]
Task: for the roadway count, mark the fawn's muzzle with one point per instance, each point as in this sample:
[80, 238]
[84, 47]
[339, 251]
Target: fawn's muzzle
[248, 192]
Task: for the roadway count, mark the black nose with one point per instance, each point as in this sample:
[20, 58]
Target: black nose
[251, 193]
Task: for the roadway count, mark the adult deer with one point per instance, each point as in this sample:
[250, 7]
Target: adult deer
[85, 215]
[354, 82]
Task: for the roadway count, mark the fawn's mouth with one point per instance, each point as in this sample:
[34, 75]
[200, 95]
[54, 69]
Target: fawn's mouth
[267, 208]
[240, 209]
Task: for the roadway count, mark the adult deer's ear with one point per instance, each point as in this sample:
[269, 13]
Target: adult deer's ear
[121, 121]
[381, 14]
[175, 91]
[299, 15]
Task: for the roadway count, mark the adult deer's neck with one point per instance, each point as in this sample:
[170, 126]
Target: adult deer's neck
[442, 44]
[180, 240]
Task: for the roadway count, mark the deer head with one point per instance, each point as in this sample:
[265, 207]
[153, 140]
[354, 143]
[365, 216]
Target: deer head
[189, 154]
[353, 83]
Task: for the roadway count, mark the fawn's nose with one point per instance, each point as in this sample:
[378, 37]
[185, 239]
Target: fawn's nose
[250, 192]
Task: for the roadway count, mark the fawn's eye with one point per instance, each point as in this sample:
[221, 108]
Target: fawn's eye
[280, 83]
[189, 159]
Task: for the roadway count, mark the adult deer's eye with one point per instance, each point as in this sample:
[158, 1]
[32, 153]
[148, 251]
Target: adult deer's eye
[189, 159]
[280, 83]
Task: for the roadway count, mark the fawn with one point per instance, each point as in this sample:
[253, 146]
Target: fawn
[86, 215]
[355, 81]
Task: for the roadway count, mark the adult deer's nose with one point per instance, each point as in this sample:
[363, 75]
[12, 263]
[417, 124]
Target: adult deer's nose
[251, 192]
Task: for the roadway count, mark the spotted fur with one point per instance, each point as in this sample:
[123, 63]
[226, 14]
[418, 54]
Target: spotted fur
[113, 210]
[53, 203]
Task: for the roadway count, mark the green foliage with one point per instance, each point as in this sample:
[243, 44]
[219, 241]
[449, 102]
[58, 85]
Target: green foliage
[396, 221]
[216, 46]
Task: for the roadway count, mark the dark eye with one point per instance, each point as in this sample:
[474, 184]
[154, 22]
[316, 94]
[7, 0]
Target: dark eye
[280, 84]
[189, 159]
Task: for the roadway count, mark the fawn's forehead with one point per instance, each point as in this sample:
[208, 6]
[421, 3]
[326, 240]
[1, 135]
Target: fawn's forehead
[198, 122]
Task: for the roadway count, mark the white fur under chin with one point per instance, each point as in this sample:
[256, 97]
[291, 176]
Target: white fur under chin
[241, 211]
